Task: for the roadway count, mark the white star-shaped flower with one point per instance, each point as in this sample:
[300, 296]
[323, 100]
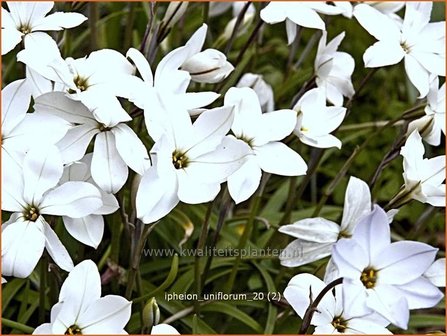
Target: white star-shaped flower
[420, 43]
[81, 309]
[29, 20]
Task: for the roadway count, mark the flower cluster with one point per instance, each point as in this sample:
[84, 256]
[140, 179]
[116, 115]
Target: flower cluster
[98, 135]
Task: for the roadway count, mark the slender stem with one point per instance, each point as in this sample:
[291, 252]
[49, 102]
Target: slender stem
[307, 318]
[93, 21]
[137, 244]
[206, 12]
[250, 40]
[42, 288]
[16, 325]
[129, 26]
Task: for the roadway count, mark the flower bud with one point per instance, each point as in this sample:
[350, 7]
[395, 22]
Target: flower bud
[151, 313]
[208, 66]
[174, 12]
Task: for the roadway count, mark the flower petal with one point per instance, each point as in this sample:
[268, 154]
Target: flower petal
[165, 329]
[421, 293]
[277, 158]
[417, 75]
[304, 16]
[22, 246]
[316, 229]
[193, 191]
[10, 38]
[88, 230]
[42, 169]
[244, 181]
[57, 251]
[108, 168]
[74, 144]
[383, 53]
[59, 21]
[274, 126]
[436, 273]
[106, 315]
[350, 258]
[73, 199]
[403, 261]
[377, 24]
[302, 252]
[141, 64]
[16, 98]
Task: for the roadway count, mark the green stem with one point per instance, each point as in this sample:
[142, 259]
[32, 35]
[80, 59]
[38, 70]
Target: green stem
[42, 288]
[129, 26]
[93, 25]
[238, 22]
[16, 325]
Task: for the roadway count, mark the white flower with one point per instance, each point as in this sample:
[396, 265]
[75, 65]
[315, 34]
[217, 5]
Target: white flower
[82, 310]
[208, 66]
[302, 13]
[97, 80]
[89, 229]
[421, 44]
[262, 89]
[382, 276]
[21, 130]
[333, 70]
[423, 177]
[432, 124]
[191, 161]
[116, 144]
[388, 8]
[164, 329]
[316, 236]
[33, 195]
[331, 316]
[316, 120]
[260, 133]
[28, 20]
[436, 273]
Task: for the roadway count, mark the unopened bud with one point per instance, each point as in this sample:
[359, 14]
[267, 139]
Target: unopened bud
[151, 313]
[208, 66]
[175, 11]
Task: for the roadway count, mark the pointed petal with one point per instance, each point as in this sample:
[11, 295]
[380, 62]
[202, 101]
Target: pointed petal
[156, 195]
[57, 251]
[74, 144]
[131, 149]
[421, 293]
[73, 199]
[42, 169]
[388, 302]
[106, 315]
[277, 158]
[142, 65]
[306, 17]
[88, 230]
[43, 329]
[364, 326]
[350, 258]
[302, 252]
[244, 182]
[274, 126]
[165, 329]
[59, 21]
[383, 53]
[108, 168]
[22, 246]
[193, 191]
[193, 100]
[316, 229]
[407, 259]
[436, 273]
[16, 98]
[377, 24]
[357, 204]
[417, 75]
[291, 29]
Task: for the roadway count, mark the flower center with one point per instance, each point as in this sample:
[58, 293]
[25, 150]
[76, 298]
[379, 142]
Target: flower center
[81, 83]
[340, 324]
[247, 140]
[344, 234]
[369, 277]
[405, 47]
[24, 29]
[31, 214]
[103, 128]
[179, 160]
[73, 330]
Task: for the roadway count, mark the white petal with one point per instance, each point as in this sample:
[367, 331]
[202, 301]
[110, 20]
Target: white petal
[376, 23]
[43, 329]
[193, 191]
[156, 195]
[436, 273]
[39, 83]
[383, 53]
[387, 301]
[364, 326]
[244, 182]
[277, 158]
[109, 203]
[291, 28]
[193, 100]
[57, 251]
[433, 63]
[106, 315]
[42, 169]
[108, 168]
[317, 230]
[59, 21]
[131, 149]
[306, 17]
[421, 293]
[273, 13]
[12, 185]
[301, 288]
[142, 65]
[274, 126]
[75, 142]
[88, 230]
[22, 246]
[373, 233]
[165, 329]
[354, 297]
[10, 38]
[16, 98]
[357, 203]
[302, 252]
[320, 141]
[73, 199]
[82, 286]
[403, 261]
[417, 75]
[350, 258]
